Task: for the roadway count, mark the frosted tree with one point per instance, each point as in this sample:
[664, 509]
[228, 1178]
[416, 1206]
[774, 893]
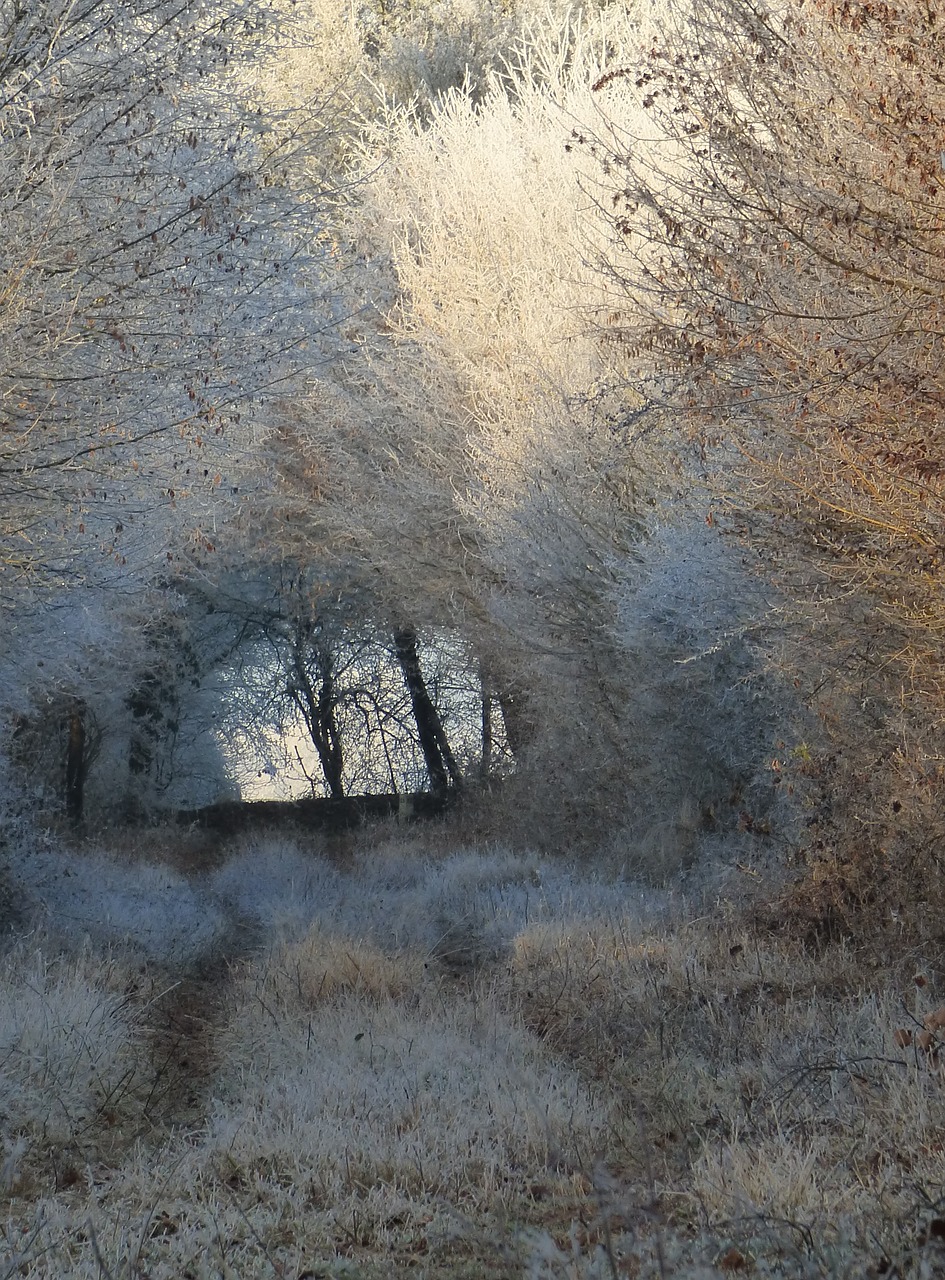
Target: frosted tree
[456, 460]
[778, 253]
[156, 275]
[161, 281]
[778, 293]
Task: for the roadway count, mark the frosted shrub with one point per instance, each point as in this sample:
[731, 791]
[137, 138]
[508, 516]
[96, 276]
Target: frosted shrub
[457, 443]
[431, 47]
[708, 714]
[410, 54]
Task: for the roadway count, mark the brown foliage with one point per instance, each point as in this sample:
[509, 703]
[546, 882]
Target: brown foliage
[785, 266]
[780, 265]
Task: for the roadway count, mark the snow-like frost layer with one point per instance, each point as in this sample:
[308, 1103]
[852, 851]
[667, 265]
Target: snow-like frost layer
[150, 909]
[474, 902]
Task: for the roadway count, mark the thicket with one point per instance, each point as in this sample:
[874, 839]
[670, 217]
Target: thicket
[481, 458]
[426, 544]
[464, 461]
[146, 313]
[777, 290]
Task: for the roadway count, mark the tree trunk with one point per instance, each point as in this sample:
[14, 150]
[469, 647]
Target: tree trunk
[76, 764]
[318, 709]
[519, 725]
[145, 708]
[441, 764]
[485, 758]
[331, 754]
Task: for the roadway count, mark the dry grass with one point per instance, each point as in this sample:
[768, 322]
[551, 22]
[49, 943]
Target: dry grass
[630, 1085]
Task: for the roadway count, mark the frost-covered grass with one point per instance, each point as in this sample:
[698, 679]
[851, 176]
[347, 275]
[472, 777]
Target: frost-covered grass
[148, 910]
[461, 907]
[597, 1080]
[67, 1055]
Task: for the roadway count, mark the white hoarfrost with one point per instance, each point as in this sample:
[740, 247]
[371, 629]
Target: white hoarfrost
[708, 715]
[460, 911]
[145, 909]
[66, 1050]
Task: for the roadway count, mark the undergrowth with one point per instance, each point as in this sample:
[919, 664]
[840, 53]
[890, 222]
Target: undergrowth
[470, 1063]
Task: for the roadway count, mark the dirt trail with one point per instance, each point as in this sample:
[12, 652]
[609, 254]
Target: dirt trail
[181, 1026]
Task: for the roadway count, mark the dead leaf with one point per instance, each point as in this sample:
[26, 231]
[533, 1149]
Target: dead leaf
[733, 1260]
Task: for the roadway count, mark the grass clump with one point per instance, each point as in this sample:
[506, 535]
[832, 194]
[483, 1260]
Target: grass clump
[70, 1066]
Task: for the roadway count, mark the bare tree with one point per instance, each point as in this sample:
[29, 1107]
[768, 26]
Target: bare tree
[316, 681]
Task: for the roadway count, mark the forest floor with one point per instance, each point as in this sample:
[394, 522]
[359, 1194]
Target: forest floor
[442, 1062]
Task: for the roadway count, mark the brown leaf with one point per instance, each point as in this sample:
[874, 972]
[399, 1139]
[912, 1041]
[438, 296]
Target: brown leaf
[733, 1260]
